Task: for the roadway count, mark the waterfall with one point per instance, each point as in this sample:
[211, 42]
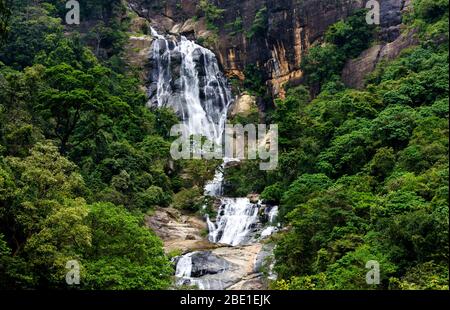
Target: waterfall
[184, 266]
[273, 214]
[237, 216]
[186, 77]
[214, 188]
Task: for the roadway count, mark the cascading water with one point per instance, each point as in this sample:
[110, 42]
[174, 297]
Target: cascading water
[186, 77]
[184, 266]
[237, 217]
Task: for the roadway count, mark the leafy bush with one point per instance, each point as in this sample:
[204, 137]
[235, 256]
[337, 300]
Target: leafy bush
[153, 196]
[124, 255]
[272, 194]
[431, 10]
[188, 199]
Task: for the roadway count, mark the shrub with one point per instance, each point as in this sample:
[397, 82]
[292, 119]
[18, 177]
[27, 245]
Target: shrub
[188, 199]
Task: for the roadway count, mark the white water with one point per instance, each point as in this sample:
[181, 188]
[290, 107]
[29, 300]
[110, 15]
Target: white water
[188, 79]
[184, 266]
[269, 231]
[273, 228]
[273, 214]
[214, 188]
[237, 216]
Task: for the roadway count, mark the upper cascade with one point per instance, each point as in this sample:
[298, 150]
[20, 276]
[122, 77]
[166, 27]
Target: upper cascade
[186, 77]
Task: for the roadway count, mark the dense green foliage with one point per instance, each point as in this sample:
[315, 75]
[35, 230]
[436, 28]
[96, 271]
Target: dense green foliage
[363, 174]
[5, 13]
[81, 156]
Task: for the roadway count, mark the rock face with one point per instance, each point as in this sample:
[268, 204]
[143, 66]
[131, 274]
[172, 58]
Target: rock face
[292, 26]
[391, 18]
[356, 70]
[392, 43]
[136, 54]
[138, 47]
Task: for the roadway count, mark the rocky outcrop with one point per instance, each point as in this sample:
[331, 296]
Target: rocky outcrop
[393, 41]
[138, 47]
[136, 54]
[224, 268]
[391, 12]
[179, 232]
[243, 105]
[356, 70]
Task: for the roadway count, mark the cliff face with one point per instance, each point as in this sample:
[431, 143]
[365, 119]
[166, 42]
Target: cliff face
[391, 43]
[292, 26]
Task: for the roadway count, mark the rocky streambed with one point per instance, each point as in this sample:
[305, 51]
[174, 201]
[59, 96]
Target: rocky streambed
[206, 264]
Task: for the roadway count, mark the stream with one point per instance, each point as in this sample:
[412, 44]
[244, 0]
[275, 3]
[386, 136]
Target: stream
[186, 77]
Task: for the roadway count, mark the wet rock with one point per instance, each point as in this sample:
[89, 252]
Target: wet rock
[175, 63]
[204, 263]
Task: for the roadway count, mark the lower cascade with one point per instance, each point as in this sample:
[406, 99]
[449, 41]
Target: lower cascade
[237, 217]
[186, 77]
[240, 226]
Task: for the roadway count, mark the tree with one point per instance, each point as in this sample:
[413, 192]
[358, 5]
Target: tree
[352, 35]
[304, 188]
[44, 220]
[27, 36]
[5, 13]
[124, 255]
[321, 63]
[394, 125]
[212, 13]
[76, 104]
